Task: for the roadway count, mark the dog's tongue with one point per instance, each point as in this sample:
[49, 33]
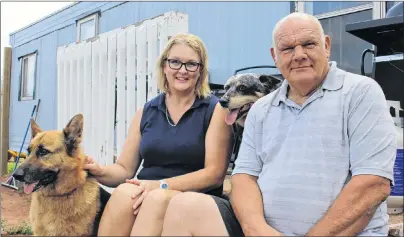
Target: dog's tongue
[231, 117]
[28, 188]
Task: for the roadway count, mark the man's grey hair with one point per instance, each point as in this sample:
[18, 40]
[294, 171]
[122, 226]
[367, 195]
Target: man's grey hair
[298, 15]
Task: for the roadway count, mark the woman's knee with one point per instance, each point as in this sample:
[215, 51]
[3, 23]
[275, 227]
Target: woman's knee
[121, 196]
[125, 190]
[118, 214]
[159, 198]
[189, 203]
[193, 214]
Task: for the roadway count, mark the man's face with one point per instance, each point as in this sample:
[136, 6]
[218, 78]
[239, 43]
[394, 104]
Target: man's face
[300, 54]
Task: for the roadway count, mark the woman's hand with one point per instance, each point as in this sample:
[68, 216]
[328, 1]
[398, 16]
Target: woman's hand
[93, 167]
[146, 186]
[137, 197]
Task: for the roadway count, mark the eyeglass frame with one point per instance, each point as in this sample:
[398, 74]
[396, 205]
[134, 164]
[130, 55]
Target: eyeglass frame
[200, 65]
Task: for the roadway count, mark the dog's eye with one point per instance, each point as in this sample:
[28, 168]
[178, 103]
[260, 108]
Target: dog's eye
[241, 87]
[42, 151]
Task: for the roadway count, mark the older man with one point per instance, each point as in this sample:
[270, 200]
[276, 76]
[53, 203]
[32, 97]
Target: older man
[317, 155]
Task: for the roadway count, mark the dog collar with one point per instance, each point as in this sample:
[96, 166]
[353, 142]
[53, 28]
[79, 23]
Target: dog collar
[65, 194]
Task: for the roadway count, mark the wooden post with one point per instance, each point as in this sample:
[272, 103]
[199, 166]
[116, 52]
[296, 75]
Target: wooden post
[5, 110]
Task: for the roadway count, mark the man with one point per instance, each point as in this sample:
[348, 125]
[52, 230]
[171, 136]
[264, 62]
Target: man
[316, 157]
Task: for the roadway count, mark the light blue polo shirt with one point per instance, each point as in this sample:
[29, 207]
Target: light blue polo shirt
[304, 155]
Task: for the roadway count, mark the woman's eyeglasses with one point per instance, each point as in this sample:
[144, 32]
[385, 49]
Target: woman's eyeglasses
[177, 64]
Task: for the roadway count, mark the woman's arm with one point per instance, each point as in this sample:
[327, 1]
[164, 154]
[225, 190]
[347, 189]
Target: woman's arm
[218, 144]
[129, 159]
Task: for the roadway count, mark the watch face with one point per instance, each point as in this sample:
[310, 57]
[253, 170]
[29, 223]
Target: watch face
[164, 186]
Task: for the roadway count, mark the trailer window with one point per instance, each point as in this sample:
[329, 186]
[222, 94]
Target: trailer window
[87, 27]
[27, 83]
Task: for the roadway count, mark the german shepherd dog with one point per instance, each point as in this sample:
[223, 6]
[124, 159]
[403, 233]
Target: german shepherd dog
[242, 91]
[66, 201]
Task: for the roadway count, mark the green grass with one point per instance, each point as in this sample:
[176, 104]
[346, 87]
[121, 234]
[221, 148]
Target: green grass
[10, 167]
[3, 224]
[22, 229]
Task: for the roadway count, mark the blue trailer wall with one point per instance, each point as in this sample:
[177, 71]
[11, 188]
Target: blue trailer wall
[237, 34]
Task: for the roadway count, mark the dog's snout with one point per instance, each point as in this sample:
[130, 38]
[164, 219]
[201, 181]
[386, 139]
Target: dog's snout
[224, 102]
[19, 174]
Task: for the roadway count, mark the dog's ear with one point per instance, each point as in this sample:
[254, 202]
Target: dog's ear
[35, 129]
[73, 133]
[269, 82]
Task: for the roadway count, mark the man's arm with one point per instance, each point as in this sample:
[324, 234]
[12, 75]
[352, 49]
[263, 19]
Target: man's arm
[245, 196]
[372, 144]
[354, 207]
[246, 200]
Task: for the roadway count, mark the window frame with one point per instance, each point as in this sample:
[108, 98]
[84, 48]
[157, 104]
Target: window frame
[345, 11]
[21, 96]
[378, 9]
[95, 17]
[387, 3]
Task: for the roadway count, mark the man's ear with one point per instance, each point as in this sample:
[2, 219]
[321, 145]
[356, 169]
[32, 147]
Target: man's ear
[273, 54]
[35, 129]
[73, 133]
[269, 82]
[327, 45]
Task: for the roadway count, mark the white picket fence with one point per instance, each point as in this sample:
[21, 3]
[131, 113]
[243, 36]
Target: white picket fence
[89, 71]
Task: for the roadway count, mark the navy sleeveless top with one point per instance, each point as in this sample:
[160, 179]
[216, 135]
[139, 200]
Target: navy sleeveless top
[170, 151]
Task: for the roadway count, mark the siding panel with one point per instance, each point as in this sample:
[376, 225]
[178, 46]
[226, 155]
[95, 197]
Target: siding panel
[237, 34]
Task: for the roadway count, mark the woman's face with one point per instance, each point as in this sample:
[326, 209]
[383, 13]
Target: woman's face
[182, 68]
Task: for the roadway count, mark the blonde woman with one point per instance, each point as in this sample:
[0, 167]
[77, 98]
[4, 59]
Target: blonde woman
[182, 138]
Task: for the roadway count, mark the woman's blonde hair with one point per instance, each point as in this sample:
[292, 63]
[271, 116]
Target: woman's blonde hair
[202, 86]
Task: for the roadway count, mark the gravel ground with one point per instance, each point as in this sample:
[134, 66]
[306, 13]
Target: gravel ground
[396, 218]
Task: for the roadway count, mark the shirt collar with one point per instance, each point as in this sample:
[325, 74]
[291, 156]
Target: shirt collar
[160, 102]
[331, 82]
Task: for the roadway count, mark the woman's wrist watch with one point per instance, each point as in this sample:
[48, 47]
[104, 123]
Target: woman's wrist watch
[163, 184]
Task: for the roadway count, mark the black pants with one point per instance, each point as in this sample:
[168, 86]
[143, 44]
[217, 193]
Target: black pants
[229, 218]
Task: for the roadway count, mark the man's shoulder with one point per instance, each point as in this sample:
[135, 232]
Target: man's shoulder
[353, 81]
[262, 104]
[266, 100]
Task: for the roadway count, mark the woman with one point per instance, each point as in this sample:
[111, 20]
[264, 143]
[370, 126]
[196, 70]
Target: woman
[182, 138]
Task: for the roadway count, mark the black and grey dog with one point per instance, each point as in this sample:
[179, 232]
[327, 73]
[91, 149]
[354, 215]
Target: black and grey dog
[241, 92]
